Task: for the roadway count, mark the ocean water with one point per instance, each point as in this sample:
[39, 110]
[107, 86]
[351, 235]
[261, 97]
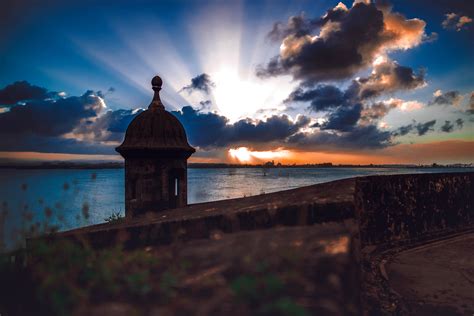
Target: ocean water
[73, 198]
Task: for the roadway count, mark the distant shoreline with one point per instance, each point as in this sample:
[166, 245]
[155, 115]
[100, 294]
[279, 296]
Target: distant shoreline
[268, 165]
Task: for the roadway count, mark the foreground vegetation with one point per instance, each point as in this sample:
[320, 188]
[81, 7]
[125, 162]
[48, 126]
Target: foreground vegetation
[66, 277]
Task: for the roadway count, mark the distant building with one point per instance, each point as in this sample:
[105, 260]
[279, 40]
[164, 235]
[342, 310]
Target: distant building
[156, 150]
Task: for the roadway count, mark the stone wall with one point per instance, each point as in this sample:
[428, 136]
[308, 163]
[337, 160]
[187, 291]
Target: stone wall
[408, 207]
[326, 202]
[150, 186]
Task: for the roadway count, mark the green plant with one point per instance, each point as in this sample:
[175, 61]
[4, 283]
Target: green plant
[115, 217]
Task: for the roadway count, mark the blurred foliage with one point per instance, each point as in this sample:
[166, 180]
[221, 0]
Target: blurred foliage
[63, 276]
[115, 217]
[67, 274]
[265, 293]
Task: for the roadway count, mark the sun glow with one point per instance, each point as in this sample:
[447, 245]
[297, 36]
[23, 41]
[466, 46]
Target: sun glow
[216, 47]
[236, 97]
[245, 155]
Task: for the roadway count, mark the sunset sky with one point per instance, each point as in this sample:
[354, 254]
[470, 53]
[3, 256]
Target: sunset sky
[292, 81]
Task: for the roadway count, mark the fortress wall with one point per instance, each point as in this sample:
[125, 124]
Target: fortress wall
[184, 229]
[326, 202]
[403, 208]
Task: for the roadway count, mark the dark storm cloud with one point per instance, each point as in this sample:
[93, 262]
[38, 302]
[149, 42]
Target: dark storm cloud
[360, 137]
[202, 83]
[42, 126]
[297, 25]
[386, 77]
[348, 41]
[210, 130]
[448, 98]
[420, 128]
[321, 98]
[335, 57]
[110, 126]
[50, 117]
[45, 122]
[342, 119]
[82, 125]
[348, 108]
[117, 121]
[22, 91]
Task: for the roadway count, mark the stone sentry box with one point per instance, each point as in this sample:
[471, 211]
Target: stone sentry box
[156, 150]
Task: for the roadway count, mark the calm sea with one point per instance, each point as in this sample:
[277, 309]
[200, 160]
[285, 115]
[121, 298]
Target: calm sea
[73, 198]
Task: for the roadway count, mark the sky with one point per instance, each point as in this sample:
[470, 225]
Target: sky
[292, 81]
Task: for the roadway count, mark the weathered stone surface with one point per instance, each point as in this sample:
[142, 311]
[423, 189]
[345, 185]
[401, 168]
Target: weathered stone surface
[404, 207]
[150, 184]
[304, 206]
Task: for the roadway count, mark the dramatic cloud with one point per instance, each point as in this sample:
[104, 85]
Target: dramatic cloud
[342, 119]
[22, 91]
[348, 40]
[202, 83]
[348, 107]
[210, 130]
[387, 76]
[47, 125]
[82, 124]
[447, 98]
[360, 137]
[321, 98]
[297, 25]
[108, 127]
[377, 111]
[420, 128]
[456, 22]
[50, 117]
